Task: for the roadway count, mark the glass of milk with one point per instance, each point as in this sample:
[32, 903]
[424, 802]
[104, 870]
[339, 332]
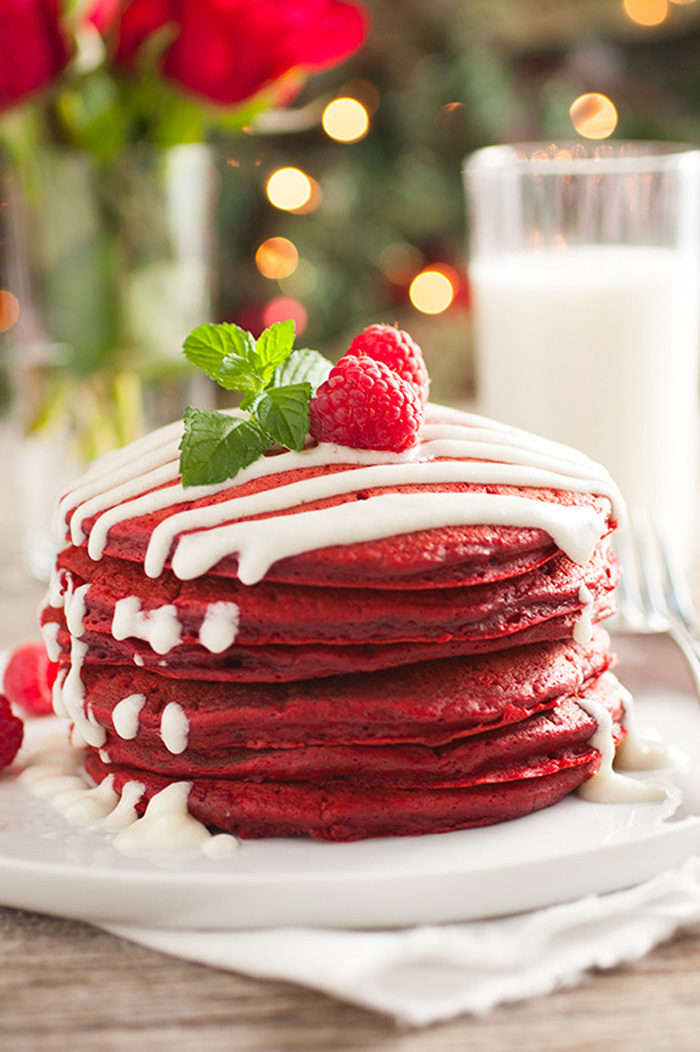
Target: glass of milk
[585, 271]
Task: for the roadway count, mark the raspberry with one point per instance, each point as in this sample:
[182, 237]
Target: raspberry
[29, 677]
[394, 347]
[366, 405]
[11, 733]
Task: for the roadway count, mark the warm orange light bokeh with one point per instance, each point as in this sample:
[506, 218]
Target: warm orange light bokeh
[277, 258]
[345, 120]
[594, 116]
[289, 189]
[646, 12]
[9, 310]
[432, 291]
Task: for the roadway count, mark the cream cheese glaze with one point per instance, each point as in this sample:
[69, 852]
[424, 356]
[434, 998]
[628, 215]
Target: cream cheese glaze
[479, 451]
[53, 772]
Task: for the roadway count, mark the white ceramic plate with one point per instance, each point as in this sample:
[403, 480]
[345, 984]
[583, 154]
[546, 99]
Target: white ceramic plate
[553, 856]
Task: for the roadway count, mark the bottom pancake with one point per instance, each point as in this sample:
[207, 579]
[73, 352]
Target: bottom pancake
[475, 782]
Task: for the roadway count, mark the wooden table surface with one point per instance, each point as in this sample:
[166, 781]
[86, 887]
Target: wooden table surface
[66, 986]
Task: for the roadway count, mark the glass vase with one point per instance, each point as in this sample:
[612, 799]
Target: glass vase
[107, 269]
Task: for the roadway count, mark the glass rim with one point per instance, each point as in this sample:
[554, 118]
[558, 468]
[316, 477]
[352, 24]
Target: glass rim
[576, 157]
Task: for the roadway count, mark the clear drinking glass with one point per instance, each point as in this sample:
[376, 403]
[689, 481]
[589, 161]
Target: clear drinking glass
[585, 271]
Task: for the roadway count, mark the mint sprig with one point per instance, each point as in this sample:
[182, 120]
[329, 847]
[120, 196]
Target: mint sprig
[276, 382]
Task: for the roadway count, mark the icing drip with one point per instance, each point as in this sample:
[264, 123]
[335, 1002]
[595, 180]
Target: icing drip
[583, 629]
[75, 609]
[54, 773]
[83, 806]
[57, 584]
[72, 693]
[125, 716]
[174, 728]
[49, 633]
[159, 627]
[124, 814]
[166, 824]
[642, 749]
[57, 694]
[607, 786]
[219, 627]
[222, 845]
[260, 543]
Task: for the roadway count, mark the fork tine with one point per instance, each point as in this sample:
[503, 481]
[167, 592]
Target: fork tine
[677, 590]
[651, 569]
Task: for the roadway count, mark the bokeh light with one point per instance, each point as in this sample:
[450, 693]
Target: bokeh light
[594, 116]
[289, 189]
[646, 12]
[399, 261]
[276, 258]
[432, 291]
[9, 310]
[303, 282]
[283, 307]
[345, 120]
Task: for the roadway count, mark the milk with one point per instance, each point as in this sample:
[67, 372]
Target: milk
[597, 347]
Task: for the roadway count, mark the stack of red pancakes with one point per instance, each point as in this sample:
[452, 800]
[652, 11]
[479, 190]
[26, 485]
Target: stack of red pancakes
[417, 683]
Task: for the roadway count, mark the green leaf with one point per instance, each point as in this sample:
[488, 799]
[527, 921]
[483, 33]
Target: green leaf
[302, 366]
[274, 346]
[283, 413]
[215, 446]
[213, 348]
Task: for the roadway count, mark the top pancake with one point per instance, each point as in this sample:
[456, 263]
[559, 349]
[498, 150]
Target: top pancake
[122, 506]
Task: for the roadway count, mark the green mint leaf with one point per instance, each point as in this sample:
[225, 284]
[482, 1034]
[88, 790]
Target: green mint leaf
[209, 346]
[302, 366]
[283, 413]
[240, 374]
[273, 346]
[215, 446]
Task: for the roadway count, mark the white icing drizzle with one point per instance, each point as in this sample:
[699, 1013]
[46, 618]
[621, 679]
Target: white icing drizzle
[49, 633]
[84, 806]
[576, 530]
[124, 814]
[57, 701]
[607, 786]
[166, 824]
[583, 629]
[479, 451]
[54, 772]
[57, 584]
[221, 845]
[643, 748]
[219, 627]
[159, 627]
[138, 660]
[72, 695]
[75, 609]
[125, 716]
[174, 728]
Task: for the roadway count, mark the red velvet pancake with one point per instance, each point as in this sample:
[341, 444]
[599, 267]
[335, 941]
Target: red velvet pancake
[545, 759]
[434, 701]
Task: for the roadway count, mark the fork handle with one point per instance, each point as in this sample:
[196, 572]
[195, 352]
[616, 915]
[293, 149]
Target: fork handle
[689, 646]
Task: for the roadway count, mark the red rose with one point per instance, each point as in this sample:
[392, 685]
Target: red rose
[33, 49]
[227, 50]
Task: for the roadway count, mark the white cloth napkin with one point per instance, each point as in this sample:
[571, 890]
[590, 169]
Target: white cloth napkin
[428, 974]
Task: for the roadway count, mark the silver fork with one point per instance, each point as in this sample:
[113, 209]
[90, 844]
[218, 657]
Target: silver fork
[653, 596]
